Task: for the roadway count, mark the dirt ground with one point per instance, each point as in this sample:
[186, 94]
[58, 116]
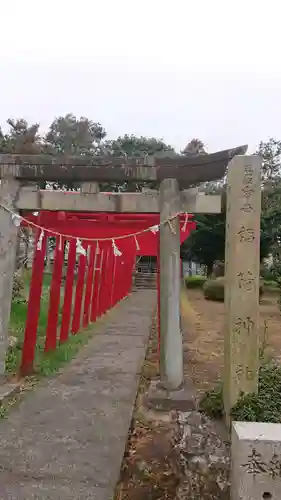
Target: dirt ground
[202, 323]
[148, 470]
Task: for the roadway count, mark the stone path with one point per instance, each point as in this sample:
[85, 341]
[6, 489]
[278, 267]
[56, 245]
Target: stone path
[67, 438]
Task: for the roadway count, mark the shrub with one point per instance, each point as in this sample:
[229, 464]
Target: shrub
[194, 281]
[214, 290]
[266, 405]
[262, 407]
[212, 402]
[17, 286]
[267, 273]
[218, 269]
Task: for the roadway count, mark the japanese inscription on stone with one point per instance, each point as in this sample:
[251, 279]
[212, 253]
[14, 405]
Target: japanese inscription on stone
[243, 325]
[257, 465]
[246, 280]
[247, 189]
[243, 372]
[246, 235]
[242, 279]
[239, 372]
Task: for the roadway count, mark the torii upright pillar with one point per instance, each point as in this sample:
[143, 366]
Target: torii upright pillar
[9, 189]
[171, 345]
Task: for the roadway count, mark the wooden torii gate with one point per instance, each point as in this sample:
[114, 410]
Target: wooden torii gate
[172, 173]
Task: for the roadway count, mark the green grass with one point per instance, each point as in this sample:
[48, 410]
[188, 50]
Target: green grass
[50, 363]
[271, 283]
[271, 287]
[45, 363]
[17, 322]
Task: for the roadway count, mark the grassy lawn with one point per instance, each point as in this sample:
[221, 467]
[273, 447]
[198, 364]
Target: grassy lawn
[45, 363]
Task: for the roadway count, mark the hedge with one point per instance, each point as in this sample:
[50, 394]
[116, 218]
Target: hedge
[214, 290]
[195, 281]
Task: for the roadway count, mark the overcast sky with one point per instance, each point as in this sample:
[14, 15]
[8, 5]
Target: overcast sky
[172, 69]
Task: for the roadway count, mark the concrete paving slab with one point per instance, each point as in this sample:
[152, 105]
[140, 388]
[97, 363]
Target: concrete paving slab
[67, 438]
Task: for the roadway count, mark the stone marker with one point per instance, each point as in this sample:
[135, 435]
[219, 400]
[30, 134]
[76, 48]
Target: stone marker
[256, 461]
[242, 266]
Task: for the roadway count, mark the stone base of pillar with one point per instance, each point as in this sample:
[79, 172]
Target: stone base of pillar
[159, 398]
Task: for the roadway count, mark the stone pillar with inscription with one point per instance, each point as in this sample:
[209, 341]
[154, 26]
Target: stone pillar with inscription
[171, 346]
[242, 276]
[9, 189]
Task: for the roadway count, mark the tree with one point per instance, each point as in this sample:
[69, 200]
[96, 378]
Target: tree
[271, 203]
[69, 135]
[131, 145]
[270, 153]
[194, 147]
[21, 138]
[206, 244]
[271, 196]
[4, 142]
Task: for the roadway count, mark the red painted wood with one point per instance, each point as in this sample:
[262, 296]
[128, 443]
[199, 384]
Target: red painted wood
[76, 322]
[118, 277]
[96, 282]
[103, 284]
[127, 275]
[68, 292]
[53, 314]
[33, 309]
[110, 280]
[120, 280]
[113, 281]
[104, 217]
[130, 276]
[99, 305]
[89, 286]
[147, 241]
[158, 304]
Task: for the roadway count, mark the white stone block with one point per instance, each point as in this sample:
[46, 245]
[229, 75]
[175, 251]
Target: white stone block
[256, 461]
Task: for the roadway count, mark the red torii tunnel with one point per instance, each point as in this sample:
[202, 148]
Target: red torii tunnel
[104, 275]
